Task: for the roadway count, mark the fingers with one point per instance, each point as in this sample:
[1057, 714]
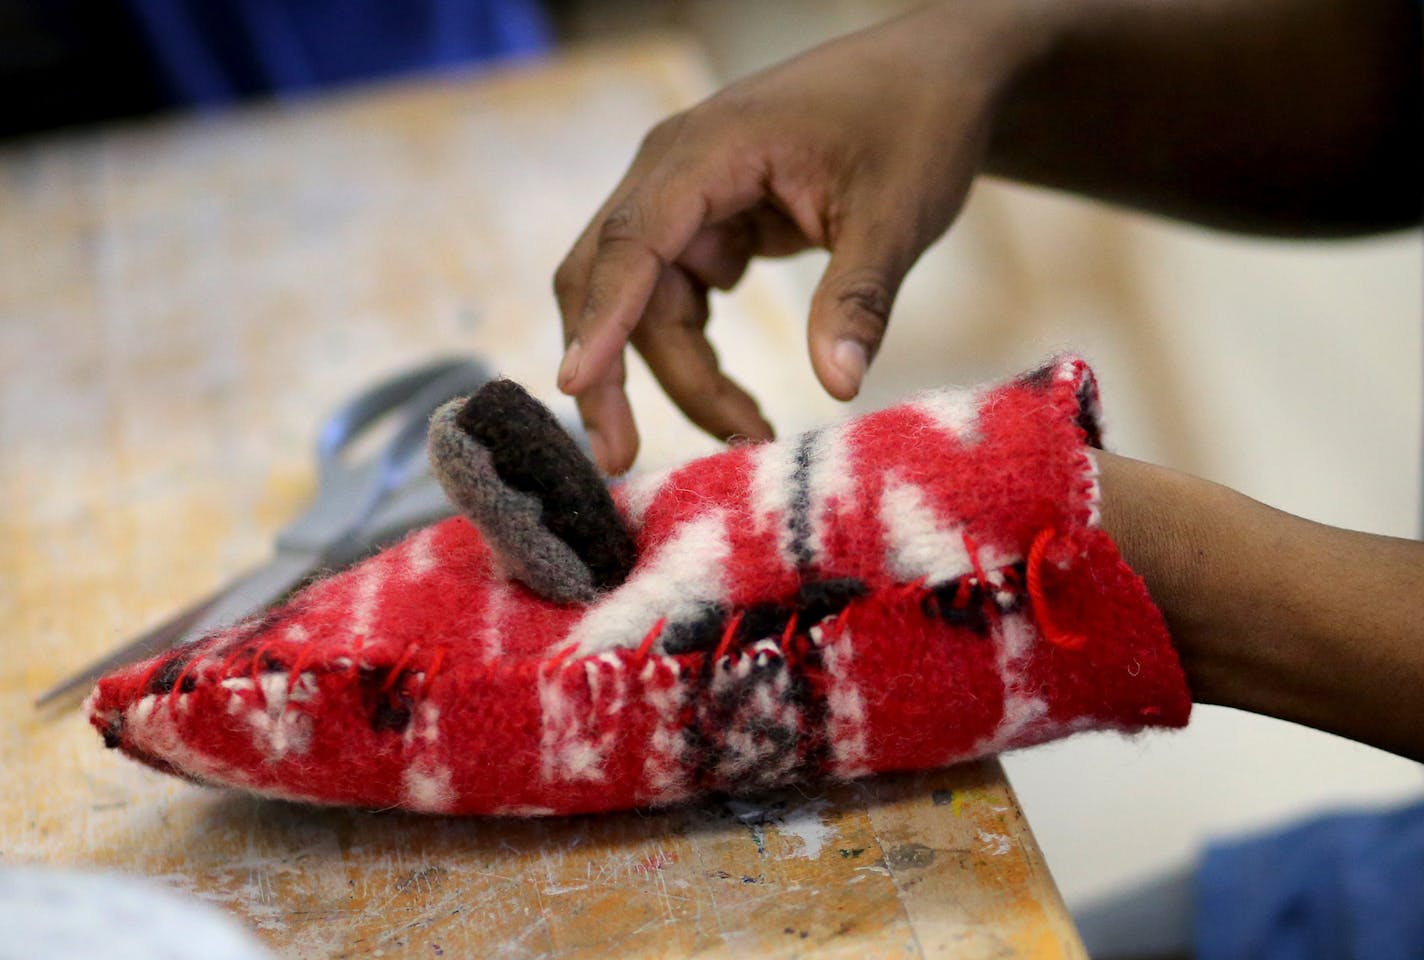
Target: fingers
[673, 343]
[607, 285]
[635, 241]
[851, 306]
[718, 254]
[602, 403]
[646, 230]
[608, 421]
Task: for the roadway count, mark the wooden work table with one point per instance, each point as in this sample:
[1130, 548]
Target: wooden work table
[179, 302]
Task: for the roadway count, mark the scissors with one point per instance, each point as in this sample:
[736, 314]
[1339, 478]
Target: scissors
[362, 503]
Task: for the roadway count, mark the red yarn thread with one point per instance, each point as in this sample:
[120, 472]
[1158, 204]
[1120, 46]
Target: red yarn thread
[972, 548]
[399, 665]
[931, 602]
[1046, 625]
[727, 635]
[434, 668]
[177, 690]
[257, 668]
[297, 664]
[646, 647]
[991, 608]
[545, 667]
[961, 594]
[913, 589]
[143, 680]
[789, 632]
[237, 651]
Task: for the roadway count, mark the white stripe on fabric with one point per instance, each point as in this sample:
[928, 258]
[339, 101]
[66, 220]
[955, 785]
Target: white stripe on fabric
[832, 484]
[678, 582]
[919, 544]
[954, 410]
[420, 554]
[772, 490]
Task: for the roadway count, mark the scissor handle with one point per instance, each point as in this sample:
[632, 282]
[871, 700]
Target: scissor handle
[403, 456]
[349, 493]
[345, 423]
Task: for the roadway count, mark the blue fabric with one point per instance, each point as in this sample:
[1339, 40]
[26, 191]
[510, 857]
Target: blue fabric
[1343, 886]
[215, 51]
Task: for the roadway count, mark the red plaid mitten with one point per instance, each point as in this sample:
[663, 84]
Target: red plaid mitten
[913, 588]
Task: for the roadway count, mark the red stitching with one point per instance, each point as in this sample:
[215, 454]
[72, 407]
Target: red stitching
[919, 589]
[646, 647]
[788, 635]
[553, 663]
[237, 651]
[435, 663]
[298, 663]
[1068, 408]
[147, 675]
[795, 650]
[991, 607]
[727, 636]
[257, 668]
[398, 666]
[961, 593]
[972, 548]
[1046, 625]
[178, 687]
[912, 589]
[358, 645]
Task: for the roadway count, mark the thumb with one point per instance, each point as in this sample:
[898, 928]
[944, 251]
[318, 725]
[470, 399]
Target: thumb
[851, 308]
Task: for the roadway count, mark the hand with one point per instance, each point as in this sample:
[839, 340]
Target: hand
[865, 147]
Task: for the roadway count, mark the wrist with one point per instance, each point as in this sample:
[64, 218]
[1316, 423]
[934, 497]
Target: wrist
[1272, 613]
[1164, 524]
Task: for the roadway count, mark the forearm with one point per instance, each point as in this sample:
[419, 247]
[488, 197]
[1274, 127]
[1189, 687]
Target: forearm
[1281, 116]
[1275, 614]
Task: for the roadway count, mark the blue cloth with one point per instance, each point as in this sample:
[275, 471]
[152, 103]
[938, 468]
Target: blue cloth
[1343, 886]
[213, 52]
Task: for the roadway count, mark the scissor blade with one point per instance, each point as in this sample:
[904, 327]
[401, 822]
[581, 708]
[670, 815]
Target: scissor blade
[348, 493]
[417, 504]
[249, 593]
[420, 503]
[356, 511]
[254, 592]
[71, 690]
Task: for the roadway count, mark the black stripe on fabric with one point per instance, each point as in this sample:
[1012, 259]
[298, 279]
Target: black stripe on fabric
[799, 510]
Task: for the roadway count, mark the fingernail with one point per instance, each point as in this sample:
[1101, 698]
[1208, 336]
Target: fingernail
[748, 439]
[598, 448]
[850, 359]
[568, 367]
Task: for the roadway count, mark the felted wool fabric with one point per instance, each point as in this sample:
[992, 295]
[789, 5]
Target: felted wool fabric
[503, 459]
[916, 587]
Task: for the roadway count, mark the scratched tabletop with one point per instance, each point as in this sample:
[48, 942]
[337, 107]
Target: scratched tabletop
[180, 301]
